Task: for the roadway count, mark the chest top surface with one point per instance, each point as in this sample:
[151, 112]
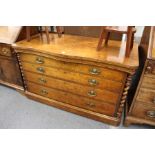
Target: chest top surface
[9, 34]
[84, 48]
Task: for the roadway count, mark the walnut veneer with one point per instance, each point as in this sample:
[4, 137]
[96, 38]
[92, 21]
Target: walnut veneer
[70, 74]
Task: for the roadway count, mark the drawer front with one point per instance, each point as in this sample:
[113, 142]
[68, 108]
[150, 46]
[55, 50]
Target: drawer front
[72, 99]
[146, 95]
[74, 77]
[5, 51]
[9, 72]
[143, 111]
[148, 82]
[74, 88]
[86, 69]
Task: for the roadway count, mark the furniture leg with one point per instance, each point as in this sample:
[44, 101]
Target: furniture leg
[132, 41]
[107, 38]
[58, 31]
[128, 41]
[101, 39]
[40, 30]
[47, 34]
[28, 35]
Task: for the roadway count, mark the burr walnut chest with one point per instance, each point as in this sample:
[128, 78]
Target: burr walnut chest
[70, 74]
[142, 109]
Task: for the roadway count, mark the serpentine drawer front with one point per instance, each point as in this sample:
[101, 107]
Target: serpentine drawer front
[90, 104]
[87, 91]
[86, 69]
[73, 76]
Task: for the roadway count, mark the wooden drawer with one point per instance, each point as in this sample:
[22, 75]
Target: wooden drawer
[146, 95]
[74, 77]
[148, 82]
[81, 68]
[9, 72]
[5, 51]
[93, 105]
[143, 111]
[74, 88]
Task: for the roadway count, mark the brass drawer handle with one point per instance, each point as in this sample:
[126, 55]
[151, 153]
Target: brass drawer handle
[148, 69]
[40, 69]
[93, 82]
[91, 93]
[39, 60]
[44, 92]
[151, 114]
[5, 51]
[90, 104]
[41, 80]
[94, 71]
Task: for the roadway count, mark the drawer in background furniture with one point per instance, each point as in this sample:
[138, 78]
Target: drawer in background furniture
[86, 69]
[148, 82]
[146, 95]
[144, 111]
[9, 72]
[74, 88]
[5, 51]
[74, 77]
[82, 102]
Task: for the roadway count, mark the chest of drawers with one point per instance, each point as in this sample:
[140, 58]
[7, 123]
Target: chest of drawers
[9, 68]
[142, 109]
[56, 75]
[10, 74]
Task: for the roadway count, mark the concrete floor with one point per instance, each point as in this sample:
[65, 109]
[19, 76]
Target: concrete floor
[18, 112]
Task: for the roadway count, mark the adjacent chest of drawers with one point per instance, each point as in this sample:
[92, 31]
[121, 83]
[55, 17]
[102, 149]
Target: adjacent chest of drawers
[142, 109]
[71, 75]
[9, 68]
[10, 74]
